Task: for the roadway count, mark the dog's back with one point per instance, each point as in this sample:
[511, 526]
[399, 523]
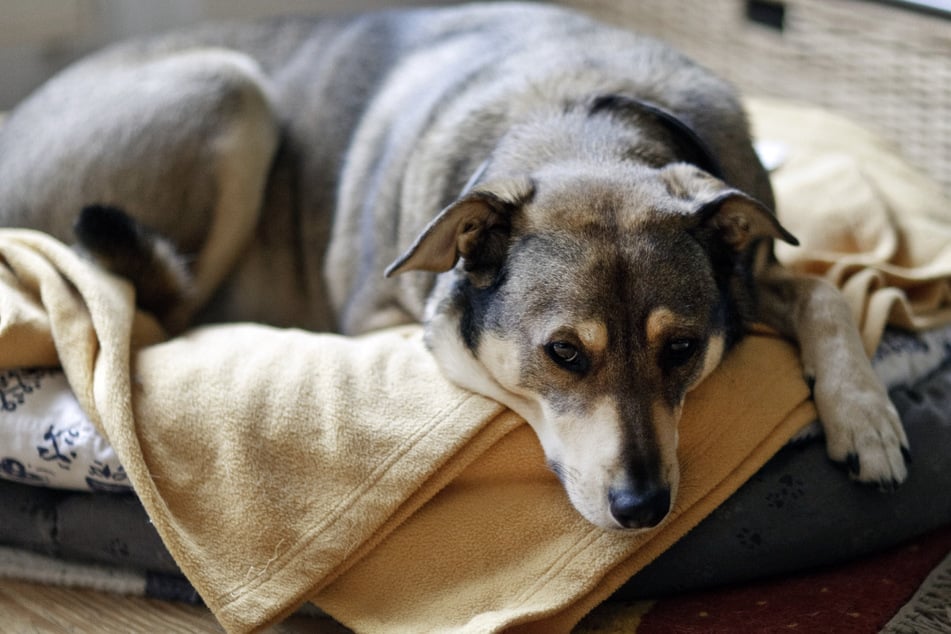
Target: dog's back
[382, 120]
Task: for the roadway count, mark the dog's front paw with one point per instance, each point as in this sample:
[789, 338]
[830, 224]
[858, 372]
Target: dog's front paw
[862, 427]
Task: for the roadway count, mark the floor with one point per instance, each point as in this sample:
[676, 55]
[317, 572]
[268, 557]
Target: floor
[27, 608]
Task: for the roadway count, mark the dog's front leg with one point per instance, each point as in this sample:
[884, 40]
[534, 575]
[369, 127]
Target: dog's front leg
[861, 424]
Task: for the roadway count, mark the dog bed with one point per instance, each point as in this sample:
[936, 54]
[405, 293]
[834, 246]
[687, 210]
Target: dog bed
[440, 497]
[796, 512]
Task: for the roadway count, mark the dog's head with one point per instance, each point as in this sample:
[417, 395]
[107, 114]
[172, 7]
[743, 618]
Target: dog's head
[591, 300]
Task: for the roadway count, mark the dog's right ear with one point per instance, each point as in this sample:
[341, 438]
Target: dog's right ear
[476, 228]
[736, 218]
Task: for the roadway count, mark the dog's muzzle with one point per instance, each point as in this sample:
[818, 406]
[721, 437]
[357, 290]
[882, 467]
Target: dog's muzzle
[633, 508]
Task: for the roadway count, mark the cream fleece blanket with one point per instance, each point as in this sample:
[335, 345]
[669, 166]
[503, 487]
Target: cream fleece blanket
[281, 466]
[867, 221]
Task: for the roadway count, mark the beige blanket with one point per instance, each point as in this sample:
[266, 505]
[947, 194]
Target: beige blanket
[281, 466]
[870, 223]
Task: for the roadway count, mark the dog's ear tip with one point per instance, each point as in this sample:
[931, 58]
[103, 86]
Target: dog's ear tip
[782, 233]
[422, 257]
[404, 264]
[790, 239]
[394, 267]
[741, 219]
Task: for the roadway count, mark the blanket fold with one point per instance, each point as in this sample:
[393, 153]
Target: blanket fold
[281, 466]
[867, 221]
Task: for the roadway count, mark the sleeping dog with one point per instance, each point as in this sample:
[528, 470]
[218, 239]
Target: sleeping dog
[574, 212]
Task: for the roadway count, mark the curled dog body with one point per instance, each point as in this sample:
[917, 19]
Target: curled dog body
[575, 213]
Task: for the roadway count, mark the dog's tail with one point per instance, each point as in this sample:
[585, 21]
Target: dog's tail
[122, 245]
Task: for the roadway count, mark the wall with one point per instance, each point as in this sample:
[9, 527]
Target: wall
[38, 37]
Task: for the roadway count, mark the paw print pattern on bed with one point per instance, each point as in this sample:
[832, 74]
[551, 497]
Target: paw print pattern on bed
[46, 439]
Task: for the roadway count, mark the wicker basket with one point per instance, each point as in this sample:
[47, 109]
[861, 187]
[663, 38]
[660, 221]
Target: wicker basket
[886, 67]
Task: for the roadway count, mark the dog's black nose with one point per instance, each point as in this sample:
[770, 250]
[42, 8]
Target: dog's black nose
[633, 509]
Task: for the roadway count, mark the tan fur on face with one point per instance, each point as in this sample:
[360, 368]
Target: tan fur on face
[594, 335]
[660, 323]
[716, 346]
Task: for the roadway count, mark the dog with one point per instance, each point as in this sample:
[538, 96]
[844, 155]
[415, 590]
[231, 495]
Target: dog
[575, 212]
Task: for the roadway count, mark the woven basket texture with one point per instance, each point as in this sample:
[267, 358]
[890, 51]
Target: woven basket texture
[886, 67]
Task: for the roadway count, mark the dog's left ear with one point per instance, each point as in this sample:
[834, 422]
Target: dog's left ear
[736, 218]
[476, 227]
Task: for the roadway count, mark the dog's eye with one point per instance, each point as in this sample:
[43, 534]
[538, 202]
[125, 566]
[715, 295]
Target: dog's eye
[566, 355]
[680, 351]
[563, 352]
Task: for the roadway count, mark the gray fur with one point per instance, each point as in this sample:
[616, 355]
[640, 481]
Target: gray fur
[525, 169]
